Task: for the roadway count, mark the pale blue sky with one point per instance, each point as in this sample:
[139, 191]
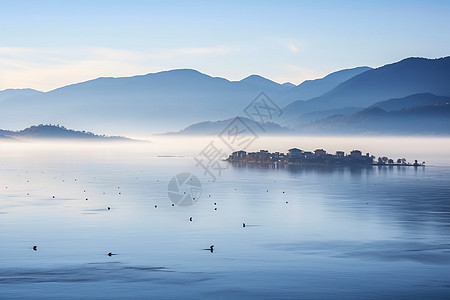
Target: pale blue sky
[48, 44]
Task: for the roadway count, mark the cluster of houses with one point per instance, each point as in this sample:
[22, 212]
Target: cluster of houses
[319, 156]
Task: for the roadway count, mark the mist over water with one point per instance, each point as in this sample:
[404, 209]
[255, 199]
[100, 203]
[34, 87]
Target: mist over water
[310, 232]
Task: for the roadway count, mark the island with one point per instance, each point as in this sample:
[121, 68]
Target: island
[55, 132]
[317, 157]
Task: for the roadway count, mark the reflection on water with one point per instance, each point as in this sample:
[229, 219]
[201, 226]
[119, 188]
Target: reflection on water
[81, 273]
[386, 251]
[314, 232]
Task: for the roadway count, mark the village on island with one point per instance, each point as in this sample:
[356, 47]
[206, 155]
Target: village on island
[297, 156]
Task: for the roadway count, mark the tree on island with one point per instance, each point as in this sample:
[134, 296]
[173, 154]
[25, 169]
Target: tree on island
[401, 161]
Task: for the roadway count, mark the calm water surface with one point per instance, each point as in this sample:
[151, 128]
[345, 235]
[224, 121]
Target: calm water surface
[311, 232]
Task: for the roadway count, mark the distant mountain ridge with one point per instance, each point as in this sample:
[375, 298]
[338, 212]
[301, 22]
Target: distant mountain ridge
[263, 83]
[415, 100]
[423, 113]
[54, 132]
[404, 78]
[314, 88]
[10, 93]
[155, 102]
[216, 127]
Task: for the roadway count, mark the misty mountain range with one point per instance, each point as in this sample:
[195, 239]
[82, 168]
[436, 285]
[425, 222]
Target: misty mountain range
[406, 97]
[423, 113]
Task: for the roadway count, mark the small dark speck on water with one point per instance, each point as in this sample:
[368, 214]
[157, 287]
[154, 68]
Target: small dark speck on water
[109, 208]
[35, 248]
[156, 206]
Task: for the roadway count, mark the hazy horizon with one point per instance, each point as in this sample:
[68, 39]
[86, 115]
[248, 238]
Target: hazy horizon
[409, 147]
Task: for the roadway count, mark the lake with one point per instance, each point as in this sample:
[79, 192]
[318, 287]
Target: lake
[371, 232]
